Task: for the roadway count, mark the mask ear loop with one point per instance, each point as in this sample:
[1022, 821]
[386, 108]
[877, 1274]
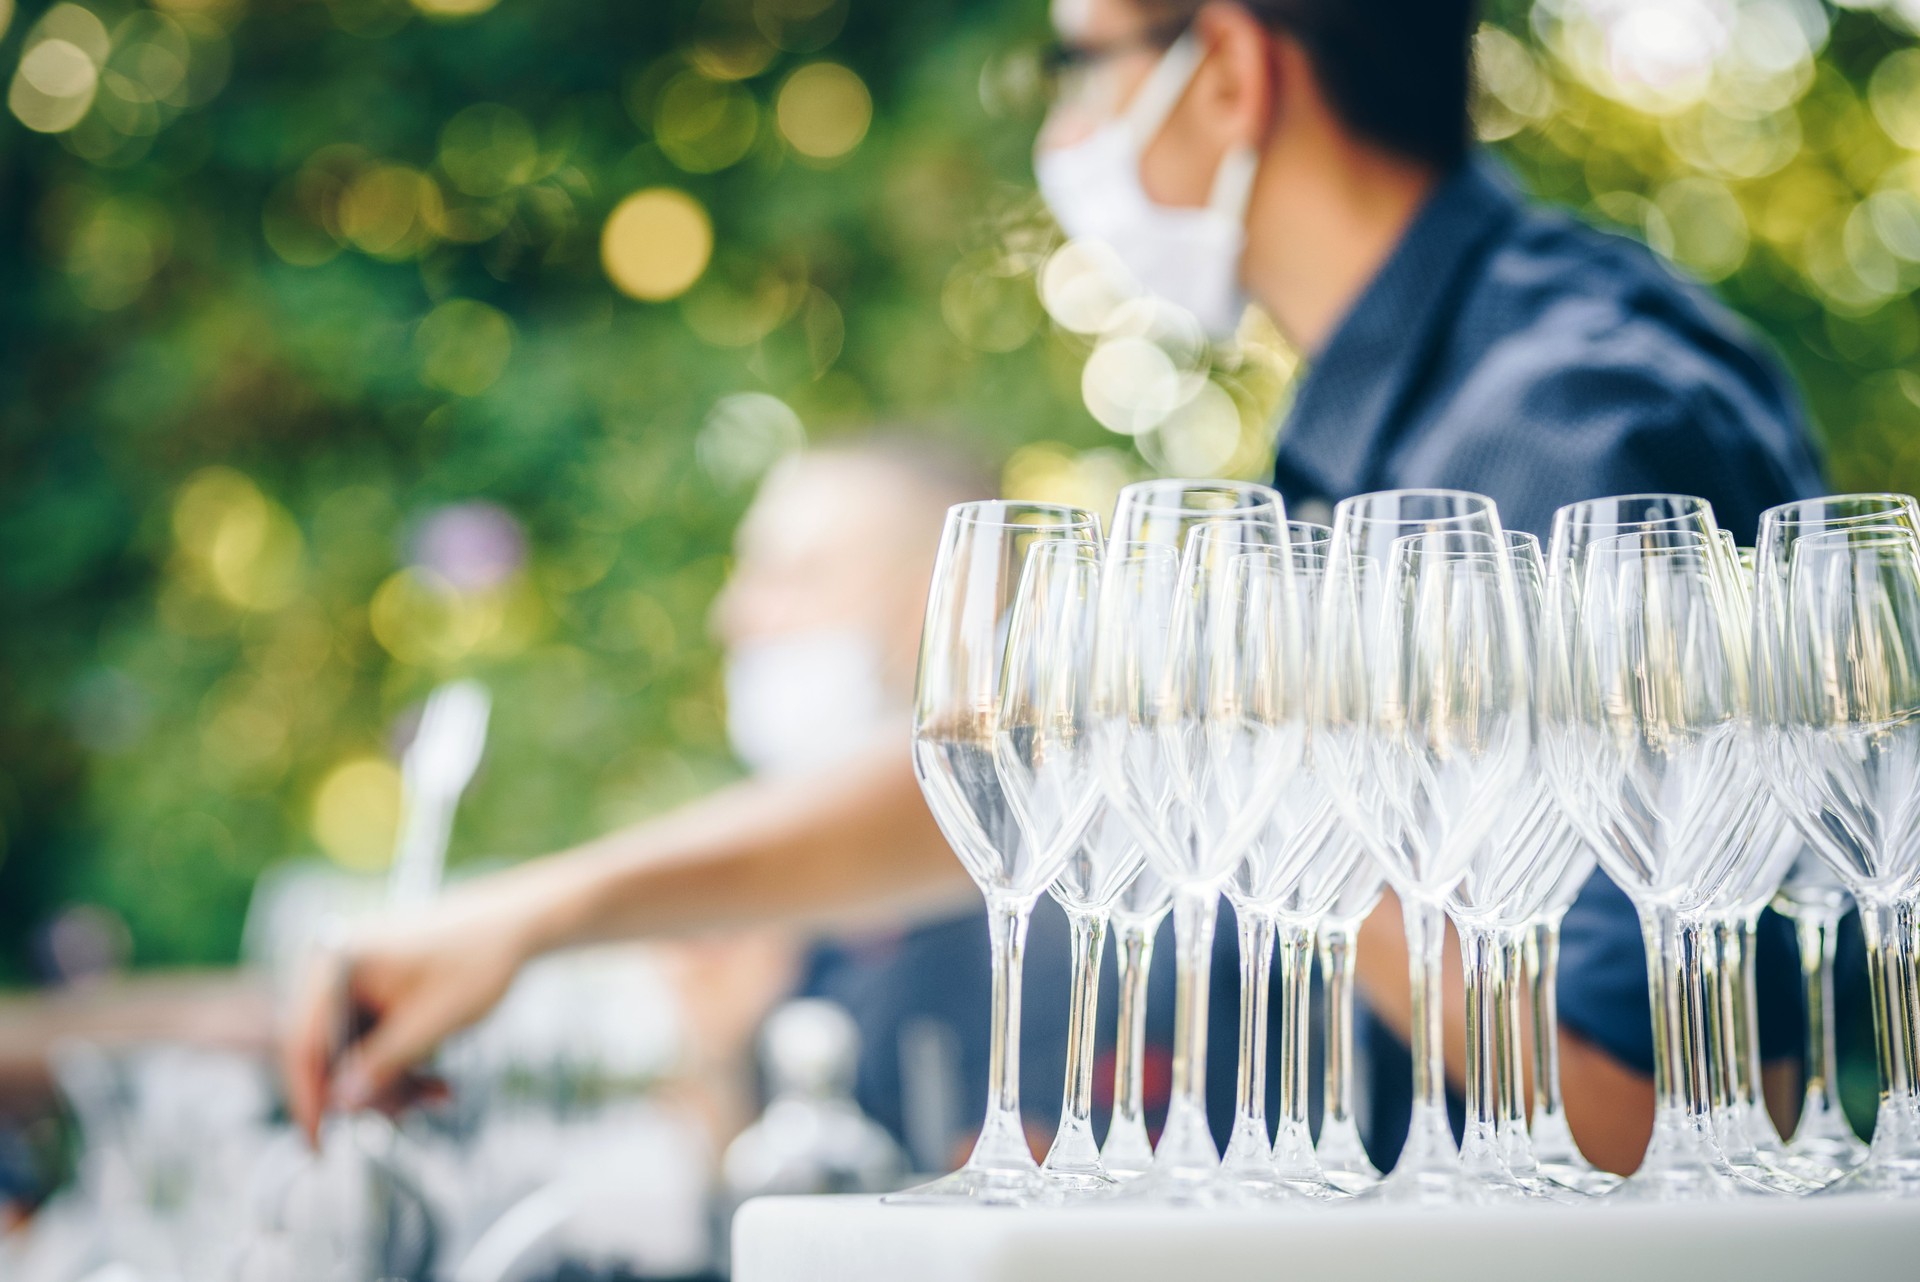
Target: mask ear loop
[1171, 77]
[1161, 91]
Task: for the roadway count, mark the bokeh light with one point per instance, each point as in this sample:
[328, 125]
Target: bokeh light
[464, 345]
[656, 243]
[57, 79]
[453, 9]
[246, 546]
[824, 110]
[488, 150]
[744, 435]
[703, 124]
[356, 813]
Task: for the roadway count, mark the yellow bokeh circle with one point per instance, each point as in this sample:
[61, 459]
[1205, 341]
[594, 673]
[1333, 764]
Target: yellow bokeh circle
[356, 812]
[656, 243]
[824, 110]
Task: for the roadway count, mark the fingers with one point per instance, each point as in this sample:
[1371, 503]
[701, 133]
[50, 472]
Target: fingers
[373, 1071]
[312, 1040]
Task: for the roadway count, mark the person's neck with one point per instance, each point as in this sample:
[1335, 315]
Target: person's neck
[1323, 220]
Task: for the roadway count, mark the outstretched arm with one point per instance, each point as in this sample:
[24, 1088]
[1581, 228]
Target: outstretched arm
[822, 848]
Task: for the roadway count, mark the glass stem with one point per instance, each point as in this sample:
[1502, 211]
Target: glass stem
[1480, 955]
[1746, 1035]
[1293, 1145]
[1128, 1151]
[1816, 934]
[1890, 969]
[1697, 1020]
[1074, 1151]
[1336, 976]
[1666, 977]
[1186, 1146]
[1516, 1149]
[1003, 1141]
[1429, 1135]
[1551, 1136]
[1720, 941]
[1249, 1149]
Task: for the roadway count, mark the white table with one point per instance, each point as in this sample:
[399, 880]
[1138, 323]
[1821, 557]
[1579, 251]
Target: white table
[855, 1239]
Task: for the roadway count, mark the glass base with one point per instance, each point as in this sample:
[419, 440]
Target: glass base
[1873, 1178]
[1350, 1180]
[980, 1186]
[1425, 1186]
[1590, 1180]
[1184, 1187]
[1128, 1153]
[1834, 1153]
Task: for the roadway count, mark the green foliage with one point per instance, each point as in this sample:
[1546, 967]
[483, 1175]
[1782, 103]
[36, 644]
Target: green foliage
[280, 282]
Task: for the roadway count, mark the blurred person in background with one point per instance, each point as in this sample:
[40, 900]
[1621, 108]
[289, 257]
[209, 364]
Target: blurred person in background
[1312, 157]
[820, 623]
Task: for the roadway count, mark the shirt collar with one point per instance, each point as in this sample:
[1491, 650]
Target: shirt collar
[1346, 410]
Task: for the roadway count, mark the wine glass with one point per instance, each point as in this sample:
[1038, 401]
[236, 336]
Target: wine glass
[1159, 512]
[1342, 1155]
[1421, 729]
[1508, 880]
[1000, 749]
[1192, 750]
[1287, 881]
[1844, 699]
[1137, 585]
[1649, 733]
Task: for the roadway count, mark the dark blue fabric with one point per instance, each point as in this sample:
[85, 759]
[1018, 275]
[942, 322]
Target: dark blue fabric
[1521, 354]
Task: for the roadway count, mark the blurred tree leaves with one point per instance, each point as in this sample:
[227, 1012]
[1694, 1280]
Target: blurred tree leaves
[329, 369]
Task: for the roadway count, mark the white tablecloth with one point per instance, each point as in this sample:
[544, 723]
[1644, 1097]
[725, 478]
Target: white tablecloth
[855, 1239]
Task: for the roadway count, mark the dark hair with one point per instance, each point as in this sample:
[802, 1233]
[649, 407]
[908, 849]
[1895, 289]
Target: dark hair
[1395, 71]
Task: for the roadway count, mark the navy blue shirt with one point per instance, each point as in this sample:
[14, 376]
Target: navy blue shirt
[1521, 354]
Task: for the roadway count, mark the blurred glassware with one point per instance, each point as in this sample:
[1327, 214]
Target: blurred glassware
[812, 1136]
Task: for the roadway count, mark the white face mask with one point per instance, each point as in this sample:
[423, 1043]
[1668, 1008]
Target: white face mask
[1189, 257]
[804, 700]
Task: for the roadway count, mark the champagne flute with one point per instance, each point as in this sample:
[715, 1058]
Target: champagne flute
[999, 747]
[1845, 695]
[1654, 748]
[1191, 753]
[1162, 513]
[1421, 728]
[1290, 877]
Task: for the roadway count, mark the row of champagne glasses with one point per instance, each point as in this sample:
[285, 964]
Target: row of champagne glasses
[1217, 700]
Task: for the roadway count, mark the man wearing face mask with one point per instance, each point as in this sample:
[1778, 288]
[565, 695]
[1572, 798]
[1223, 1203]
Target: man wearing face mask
[1313, 157]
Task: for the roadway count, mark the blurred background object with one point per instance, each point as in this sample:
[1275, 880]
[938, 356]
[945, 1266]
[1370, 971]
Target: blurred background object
[358, 346]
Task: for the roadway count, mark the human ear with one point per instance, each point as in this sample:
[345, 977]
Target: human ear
[1238, 84]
